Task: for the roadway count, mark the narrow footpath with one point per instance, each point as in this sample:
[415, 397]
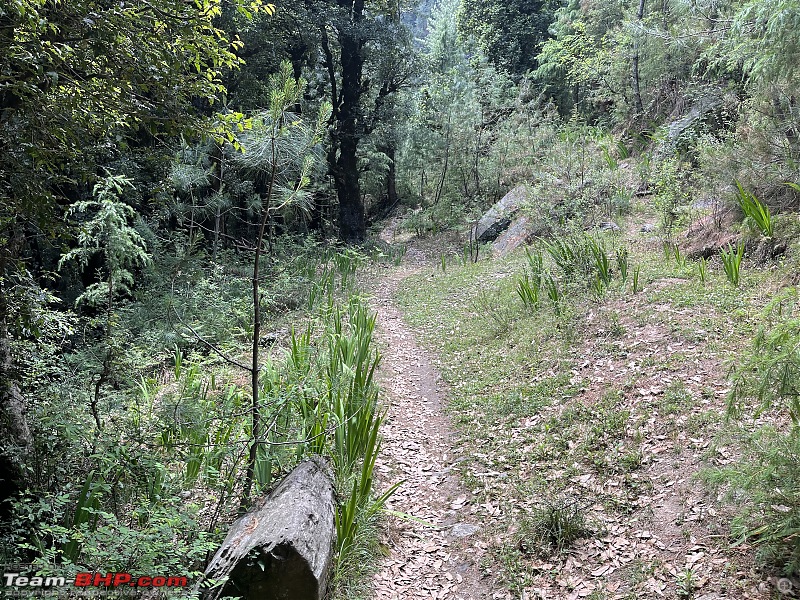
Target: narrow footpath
[440, 557]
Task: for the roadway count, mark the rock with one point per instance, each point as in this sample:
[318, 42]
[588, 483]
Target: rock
[520, 232]
[648, 228]
[283, 549]
[708, 235]
[608, 226]
[461, 530]
[497, 219]
[699, 111]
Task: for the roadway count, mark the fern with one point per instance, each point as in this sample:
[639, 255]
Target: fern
[106, 231]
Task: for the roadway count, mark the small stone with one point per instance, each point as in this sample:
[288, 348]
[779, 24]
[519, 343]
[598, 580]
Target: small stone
[461, 530]
[609, 226]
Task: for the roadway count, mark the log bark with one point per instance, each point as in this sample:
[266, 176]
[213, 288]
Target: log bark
[283, 549]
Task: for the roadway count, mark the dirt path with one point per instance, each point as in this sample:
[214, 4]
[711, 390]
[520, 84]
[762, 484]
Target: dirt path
[423, 561]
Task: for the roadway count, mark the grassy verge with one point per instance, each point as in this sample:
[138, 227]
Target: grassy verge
[587, 421]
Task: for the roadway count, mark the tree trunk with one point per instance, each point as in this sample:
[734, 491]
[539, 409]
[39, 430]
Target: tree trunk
[352, 224]
[283, 549]
[391, 177]
[350, 125]
[637, 94]
[15, 436]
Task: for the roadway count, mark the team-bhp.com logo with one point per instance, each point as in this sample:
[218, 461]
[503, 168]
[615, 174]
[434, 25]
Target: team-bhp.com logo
[19, 580]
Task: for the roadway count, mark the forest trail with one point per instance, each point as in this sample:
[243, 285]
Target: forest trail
[423, 561]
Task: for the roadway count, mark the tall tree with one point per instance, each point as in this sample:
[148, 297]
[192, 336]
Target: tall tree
[79, 80]
[354, 46]
[349, 117]
[510, 32]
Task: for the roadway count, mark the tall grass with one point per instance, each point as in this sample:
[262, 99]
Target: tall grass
[528, 290]
[765, 378]
[602, 263]
[732, 262]
[755, 210]
[622, 263]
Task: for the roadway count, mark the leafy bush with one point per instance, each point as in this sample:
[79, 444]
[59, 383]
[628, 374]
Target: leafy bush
[181, 430]
[671, 193]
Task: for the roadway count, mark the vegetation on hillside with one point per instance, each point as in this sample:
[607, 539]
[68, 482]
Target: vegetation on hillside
[187, 196]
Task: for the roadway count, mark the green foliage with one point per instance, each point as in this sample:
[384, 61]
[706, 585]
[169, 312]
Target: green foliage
[670, 193]
[445, 160]
[529, 286]
[83, 81]
[680, 258]
[731, 262]
[579, 58]
[584, 259]
[572, 255]
[755, 210]
[686, 583]
[528, 290]
[554, 293]
[702, 269]
[622, 263]
[492, 305]
[763, 39]
[108, 233]
[635, 285]
[554, 527]
[180, 432]
[601, 262]
[509, 33]
[770, 373]
[770, 515]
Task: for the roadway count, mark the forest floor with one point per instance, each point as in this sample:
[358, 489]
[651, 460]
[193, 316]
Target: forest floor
[605, 418]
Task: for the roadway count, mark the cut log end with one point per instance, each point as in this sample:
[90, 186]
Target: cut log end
[283, 549]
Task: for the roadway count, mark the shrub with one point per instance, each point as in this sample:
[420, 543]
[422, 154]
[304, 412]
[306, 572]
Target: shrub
[554, 527]
[671, 194]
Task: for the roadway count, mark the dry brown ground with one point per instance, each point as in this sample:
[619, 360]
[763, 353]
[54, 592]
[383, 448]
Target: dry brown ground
[433, 552]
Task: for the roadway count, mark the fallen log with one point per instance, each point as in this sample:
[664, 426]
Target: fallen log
[282, 550]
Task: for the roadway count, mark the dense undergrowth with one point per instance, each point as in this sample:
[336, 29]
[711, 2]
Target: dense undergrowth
[141, 470]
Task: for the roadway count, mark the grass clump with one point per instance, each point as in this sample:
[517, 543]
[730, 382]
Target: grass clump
[766, 379]
[732, 262]
[553, 527]
[755, 211]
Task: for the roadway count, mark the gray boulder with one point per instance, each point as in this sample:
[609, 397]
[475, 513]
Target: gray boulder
[521, 232]
[497, 219]
[609, 226]
[702, 107]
